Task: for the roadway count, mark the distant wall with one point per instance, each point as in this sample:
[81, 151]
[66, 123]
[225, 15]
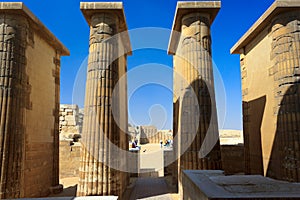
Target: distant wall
[151, 135]
[69, 159]
[233, 161]
[70, 121]
[155, 139]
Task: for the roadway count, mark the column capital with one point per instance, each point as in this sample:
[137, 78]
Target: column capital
[89, 9]
[210, 8]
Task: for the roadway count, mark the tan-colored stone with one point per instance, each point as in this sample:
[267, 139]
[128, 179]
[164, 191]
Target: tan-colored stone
[194, 110]
[212, 184]
[269, 59]
[107, 64]
[29, 136]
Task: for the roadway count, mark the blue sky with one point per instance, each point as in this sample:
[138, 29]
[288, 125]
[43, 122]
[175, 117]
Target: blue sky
[64, 19]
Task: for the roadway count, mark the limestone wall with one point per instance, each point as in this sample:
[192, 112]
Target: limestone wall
[150, 134]
[232, 151]
[69, 159]
[233, 161]
[40, 120]
[258, 102]
[70, 121]
[160, 135]
[270, 88]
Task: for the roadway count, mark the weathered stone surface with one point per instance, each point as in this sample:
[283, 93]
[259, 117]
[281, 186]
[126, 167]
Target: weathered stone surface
[269, 54]
[194, 110]
[69, 159]
[208, 184]
[28, 137]
[107, 63]
[231, 137]
[150, 134]
[70, 121]
[233, 159]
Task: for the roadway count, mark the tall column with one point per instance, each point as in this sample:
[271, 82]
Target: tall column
[56, 187]
[195, 53]
[196, 141]
[13, 82]
[286, 66]
[101, 133]
[29, 99]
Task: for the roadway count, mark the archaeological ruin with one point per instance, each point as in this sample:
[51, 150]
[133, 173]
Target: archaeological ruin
[194, 110]
[269, 55]
[43, 141]
[108, 49]
[70, 121]
[29, 102]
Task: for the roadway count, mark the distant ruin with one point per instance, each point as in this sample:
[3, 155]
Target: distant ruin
[70, 121]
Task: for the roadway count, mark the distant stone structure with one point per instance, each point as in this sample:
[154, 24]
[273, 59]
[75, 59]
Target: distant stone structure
[231, 137]
[69, 159]
[102, 139]
[270, 67]
[161, 135]
[70, 121]
[146, 132]
[132, 132]
[232, 151]
[190, 44]
[150, 134]
[29, 95]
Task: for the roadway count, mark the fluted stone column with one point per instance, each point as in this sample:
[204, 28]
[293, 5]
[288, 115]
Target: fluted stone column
[286, 69]
[194, 104]
[13, 94]
[101, 134]
[195, 54]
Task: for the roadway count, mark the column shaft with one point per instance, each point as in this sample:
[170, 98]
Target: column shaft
[195, 52]
[100, 131]
[286, 58]
[13, 81]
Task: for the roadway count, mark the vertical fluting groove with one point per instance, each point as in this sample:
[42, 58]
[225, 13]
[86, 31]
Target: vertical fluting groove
[285, 56]
[13, 85]
[101, 131]
[55, 168]
[195, 50]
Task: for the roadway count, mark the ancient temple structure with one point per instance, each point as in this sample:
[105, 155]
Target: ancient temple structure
[29, 104]
[270, 71]
[195, 116]
[103, 133]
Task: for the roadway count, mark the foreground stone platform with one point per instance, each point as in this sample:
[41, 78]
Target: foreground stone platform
[213, 184]
[79, 198]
